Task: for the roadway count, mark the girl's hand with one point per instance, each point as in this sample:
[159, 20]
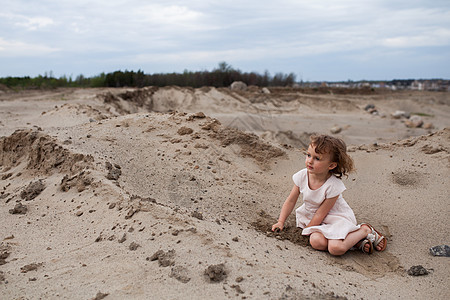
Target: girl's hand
[278, 227]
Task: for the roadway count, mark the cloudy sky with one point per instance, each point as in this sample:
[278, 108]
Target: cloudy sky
[314, 39]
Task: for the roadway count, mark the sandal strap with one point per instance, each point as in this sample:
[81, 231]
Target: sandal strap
[363, 243]
[375, 238]
[371, 237]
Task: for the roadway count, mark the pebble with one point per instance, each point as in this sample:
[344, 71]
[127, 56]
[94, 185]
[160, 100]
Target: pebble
[216, 273]
[442, 250]
[414, 122]
[369, 106]
[133, 246]
[238, 86]
[123, 238]
[417, 271]
[19, 209]
[335, 129]
[100, 296]
[400, 114]
[197, 215]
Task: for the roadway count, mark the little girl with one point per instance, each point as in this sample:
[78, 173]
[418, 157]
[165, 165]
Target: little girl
[325, 216]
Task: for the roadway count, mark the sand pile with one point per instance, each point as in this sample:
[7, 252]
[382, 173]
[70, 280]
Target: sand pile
[289, 116]
[167, 205]
[40, 153]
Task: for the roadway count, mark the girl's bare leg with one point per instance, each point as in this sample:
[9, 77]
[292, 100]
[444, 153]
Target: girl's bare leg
[318, 241]
[339, 247]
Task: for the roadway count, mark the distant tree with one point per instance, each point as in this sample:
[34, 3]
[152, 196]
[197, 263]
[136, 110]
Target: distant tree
[98, 81]
[224, 67]
[222, 76]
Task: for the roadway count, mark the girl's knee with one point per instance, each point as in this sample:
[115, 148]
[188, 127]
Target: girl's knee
[318, 241]
[336, 249]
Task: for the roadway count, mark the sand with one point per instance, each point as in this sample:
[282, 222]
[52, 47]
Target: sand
[170, 193]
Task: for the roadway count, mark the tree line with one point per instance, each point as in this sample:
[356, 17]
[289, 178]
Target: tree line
[222, 76]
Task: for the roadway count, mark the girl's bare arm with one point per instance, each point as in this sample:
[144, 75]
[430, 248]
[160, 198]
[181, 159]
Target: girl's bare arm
[287, 208]
[323, 211]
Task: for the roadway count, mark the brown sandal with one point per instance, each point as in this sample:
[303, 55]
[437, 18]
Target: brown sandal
[377, 237]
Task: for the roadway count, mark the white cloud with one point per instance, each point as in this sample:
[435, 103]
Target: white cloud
[10, 48]
[28, 22]
[169, 15]
[438, 37]
[35, 23]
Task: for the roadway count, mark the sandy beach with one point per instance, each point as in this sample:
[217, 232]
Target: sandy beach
[170, 193]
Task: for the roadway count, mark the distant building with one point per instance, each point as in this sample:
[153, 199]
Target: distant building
[442, 85]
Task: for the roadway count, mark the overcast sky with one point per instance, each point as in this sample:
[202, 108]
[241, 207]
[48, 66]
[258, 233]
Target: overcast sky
[314, 39]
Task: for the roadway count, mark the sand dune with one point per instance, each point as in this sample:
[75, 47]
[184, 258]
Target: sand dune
[154, 193]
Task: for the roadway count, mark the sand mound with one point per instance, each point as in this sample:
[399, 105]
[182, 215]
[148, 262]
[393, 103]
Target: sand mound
[251, 144]
[169, 99]
[192, 153]
[130, 101]
[40, 153]
[69, 114]
[173, 98]
[287, 115]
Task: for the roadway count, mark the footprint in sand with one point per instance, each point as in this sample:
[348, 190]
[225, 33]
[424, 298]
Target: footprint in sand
[406, 178]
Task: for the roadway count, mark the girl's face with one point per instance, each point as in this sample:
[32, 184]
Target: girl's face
[316, 163]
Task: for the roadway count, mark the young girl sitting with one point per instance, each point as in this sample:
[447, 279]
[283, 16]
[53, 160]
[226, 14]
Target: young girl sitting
[325, 216]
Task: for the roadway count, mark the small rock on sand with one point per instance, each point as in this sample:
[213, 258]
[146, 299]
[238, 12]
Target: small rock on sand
[265, 90]
[131, 213]
[180, 273]
[414, 122]
[19, 209]
[369, 107]
[442, 250]
[400, 114]
[417, 271]
[335, 129]
[30, 267]
[123, 238]
[4, 254]
[197, 215]
[32, 190]
[100, 296]
[165, 259]
[133, 246]
[238, 86]
[216, 273]
[185, 130]
[114, 174]
[155, 255]
[238, 289]
[198, 115]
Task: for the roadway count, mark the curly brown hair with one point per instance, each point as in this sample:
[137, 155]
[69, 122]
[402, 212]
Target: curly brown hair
[338, 150]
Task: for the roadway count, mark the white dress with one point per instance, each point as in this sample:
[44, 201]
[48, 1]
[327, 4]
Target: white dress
[339, 222]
